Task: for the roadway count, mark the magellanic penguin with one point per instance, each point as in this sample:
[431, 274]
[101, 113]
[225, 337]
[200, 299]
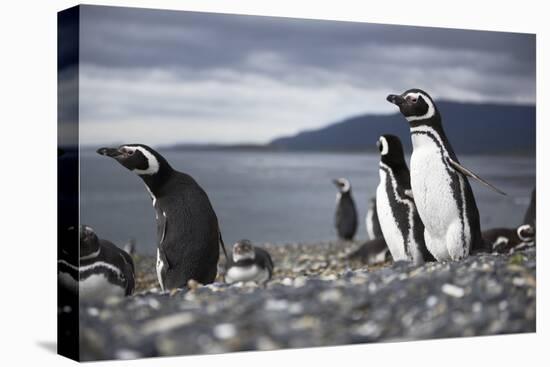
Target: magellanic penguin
[372, 223]
[250, 264]
[440, 187]
[345, 218]
[371, 252]
[188, 234]
[104, 270]
[402, 228]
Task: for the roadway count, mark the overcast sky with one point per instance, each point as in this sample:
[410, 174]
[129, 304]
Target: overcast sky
[161, 77]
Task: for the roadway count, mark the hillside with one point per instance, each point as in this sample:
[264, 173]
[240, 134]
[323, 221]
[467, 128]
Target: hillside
[472, 128]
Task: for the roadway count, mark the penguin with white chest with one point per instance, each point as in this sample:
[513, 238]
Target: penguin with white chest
[439, 183]
[399, 220]
[250, 264]
[188, 234]
[345, 218]
[103, 270]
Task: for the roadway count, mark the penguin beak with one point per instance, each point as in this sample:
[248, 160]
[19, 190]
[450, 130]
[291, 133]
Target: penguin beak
[395, 99]
[109, 152]
[336, 182]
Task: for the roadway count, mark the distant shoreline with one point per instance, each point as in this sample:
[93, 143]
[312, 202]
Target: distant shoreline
[240, 148]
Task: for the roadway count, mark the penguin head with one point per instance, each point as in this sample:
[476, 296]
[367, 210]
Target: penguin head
[89, 243]
[526, 233]
[243, 250]
[342, 184]
[138, 158]
[391, 150]
[414, 104]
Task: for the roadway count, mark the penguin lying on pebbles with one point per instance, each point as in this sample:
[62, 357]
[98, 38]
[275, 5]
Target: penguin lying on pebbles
[372, 252]
[505, 240]
[188, 234]
[104, 270]
[249, 263]
[345, 218]
[439, 182]
[402, 228]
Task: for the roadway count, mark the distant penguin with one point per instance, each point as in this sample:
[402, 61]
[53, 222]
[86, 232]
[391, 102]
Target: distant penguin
[440, 187]
[531, 213]
[402, 228]
[188, 234]
[372, 223]
[250, 263]
[104, 270]
[371, 252]
[345, 218]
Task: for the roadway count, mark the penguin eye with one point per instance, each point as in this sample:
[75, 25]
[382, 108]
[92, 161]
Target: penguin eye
[130, 152]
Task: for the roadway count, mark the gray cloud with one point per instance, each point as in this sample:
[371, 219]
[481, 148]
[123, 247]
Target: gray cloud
[215, 77]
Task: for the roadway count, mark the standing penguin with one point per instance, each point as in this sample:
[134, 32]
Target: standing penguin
[441, 190]
[372, 223]
[402, 228]
[345, 218]
[188, 234]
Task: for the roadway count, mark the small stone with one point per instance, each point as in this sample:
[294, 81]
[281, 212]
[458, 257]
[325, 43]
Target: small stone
[225, 331]
[431, 301]
[452, 290]
[287, 282]
[477, 307]
[92, 311]
[276, 305]
[166, 323]
[127, 354]
[331, 295]
[192, 284]
[519, 282]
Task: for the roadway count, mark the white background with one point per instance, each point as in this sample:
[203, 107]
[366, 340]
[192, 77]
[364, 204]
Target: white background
[28, 179]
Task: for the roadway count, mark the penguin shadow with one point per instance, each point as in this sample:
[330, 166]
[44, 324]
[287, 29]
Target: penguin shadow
[48, 345]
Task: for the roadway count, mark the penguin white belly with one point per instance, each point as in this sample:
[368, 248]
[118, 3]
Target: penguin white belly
[246, 274]
[436, 205]
[392, 235]
[96, 287]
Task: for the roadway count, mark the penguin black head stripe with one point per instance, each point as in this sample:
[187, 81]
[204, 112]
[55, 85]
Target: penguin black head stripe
[391, 150]
[138, 158]
[414, 104]
[89, 242]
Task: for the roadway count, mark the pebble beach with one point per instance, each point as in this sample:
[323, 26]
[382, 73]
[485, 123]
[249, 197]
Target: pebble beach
[317, 297]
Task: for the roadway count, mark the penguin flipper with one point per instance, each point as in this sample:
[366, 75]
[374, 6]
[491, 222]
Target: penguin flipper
[469, 173]
[223, 245]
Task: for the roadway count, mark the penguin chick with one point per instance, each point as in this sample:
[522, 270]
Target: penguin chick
[249, 263]
[371, 252]
[345, 218]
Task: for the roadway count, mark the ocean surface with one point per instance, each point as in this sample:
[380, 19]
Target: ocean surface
[274, 196]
